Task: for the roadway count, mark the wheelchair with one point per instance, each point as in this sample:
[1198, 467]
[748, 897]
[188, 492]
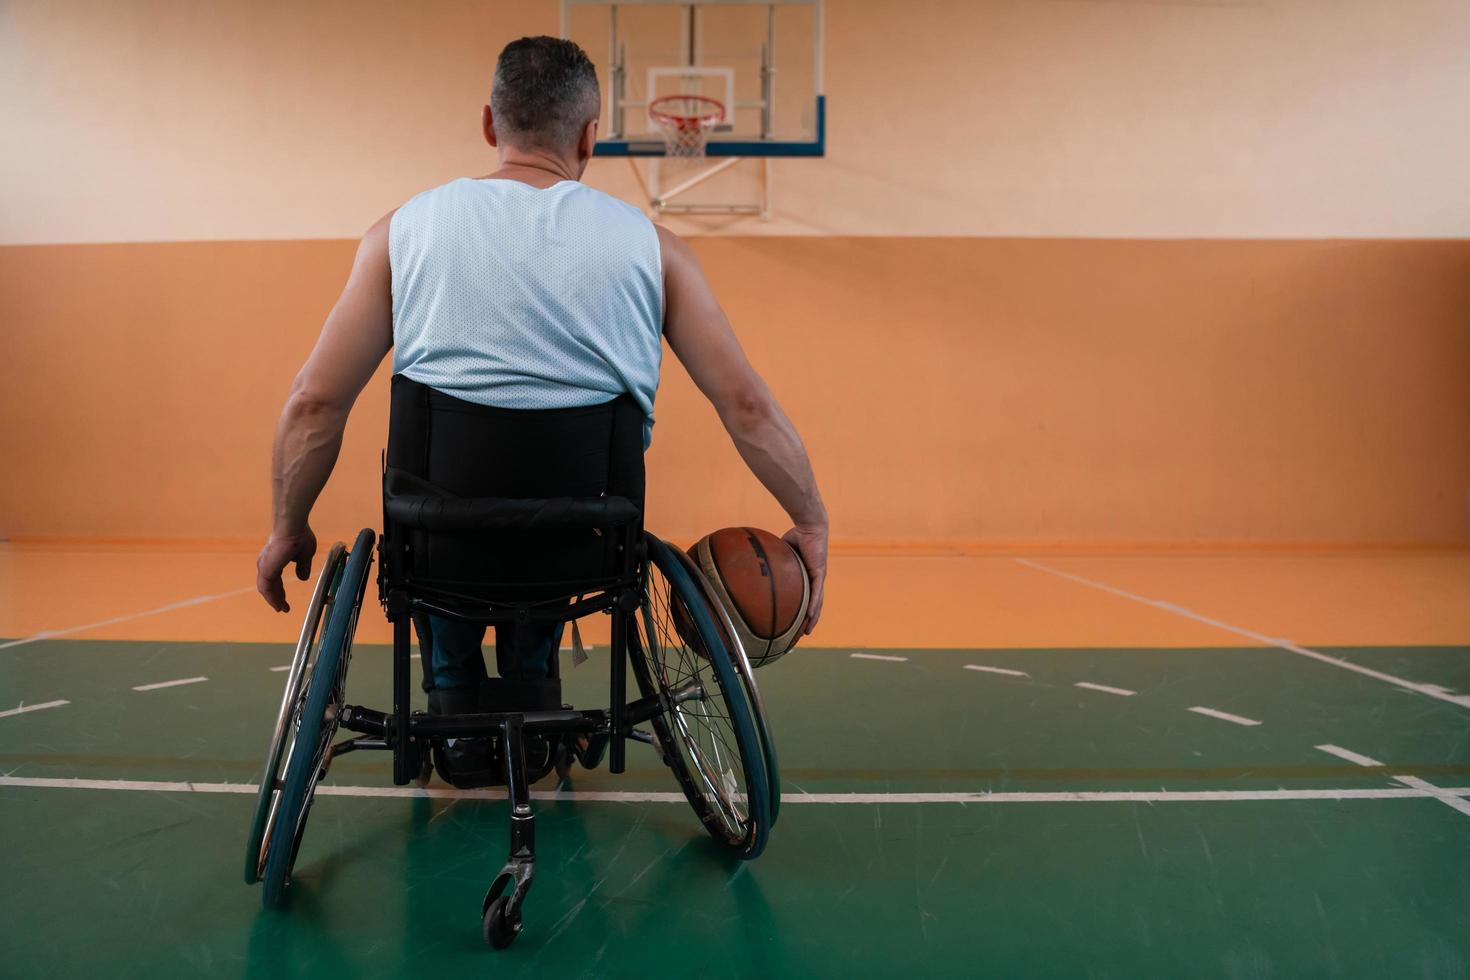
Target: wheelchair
[520, 558]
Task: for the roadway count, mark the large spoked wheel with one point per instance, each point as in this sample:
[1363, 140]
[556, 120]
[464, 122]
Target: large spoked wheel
[287, 720]
[313, 722]
[747, 678]
[706, 732]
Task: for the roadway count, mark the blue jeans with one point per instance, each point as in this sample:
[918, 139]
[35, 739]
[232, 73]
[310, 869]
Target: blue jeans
[455, 658]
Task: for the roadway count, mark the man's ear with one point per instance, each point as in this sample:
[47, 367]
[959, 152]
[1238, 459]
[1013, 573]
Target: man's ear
[487, 123]
[588, 142]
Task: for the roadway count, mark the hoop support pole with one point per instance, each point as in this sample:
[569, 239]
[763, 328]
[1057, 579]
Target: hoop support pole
[765, 188]
[695, 181]
[638, 175]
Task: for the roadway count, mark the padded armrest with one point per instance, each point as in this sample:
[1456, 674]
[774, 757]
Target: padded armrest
[420, 504]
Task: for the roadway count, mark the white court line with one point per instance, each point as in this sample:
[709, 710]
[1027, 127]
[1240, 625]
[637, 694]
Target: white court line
[588, 796]
[878, 656]
[997, 670]
[32, 707]
[1224, 715]
[181, 604]
[1448, 797]
[1348, 754]
[1120, 691]
[1435, 691]
[1445, 796]
[277, 670]
[177, 683]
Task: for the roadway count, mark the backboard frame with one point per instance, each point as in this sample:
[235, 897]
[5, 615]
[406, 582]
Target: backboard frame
[619, 144]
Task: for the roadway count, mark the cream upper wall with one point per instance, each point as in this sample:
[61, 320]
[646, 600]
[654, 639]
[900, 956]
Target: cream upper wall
[156, 120]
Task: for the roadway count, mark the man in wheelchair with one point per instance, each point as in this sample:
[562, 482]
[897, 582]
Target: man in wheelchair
[525, 314]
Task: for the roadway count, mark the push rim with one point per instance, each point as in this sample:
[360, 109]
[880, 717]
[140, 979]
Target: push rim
[289, 717]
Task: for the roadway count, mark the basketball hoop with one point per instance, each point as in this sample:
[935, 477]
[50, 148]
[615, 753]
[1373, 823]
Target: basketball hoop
[686, 121]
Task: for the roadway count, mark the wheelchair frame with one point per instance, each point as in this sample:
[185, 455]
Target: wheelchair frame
[408, 735]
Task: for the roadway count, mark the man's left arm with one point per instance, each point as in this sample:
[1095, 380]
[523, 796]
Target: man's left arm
[356, 335]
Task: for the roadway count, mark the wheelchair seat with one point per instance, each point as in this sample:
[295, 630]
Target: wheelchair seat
[465, 527]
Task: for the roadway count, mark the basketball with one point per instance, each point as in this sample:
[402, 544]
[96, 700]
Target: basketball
[762, 583]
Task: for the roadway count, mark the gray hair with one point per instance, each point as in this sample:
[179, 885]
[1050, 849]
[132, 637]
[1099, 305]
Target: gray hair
[545, 92]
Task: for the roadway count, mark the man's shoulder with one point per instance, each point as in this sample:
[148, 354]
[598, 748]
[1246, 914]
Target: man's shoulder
[421, 210]
[448, 188]
[615, 205]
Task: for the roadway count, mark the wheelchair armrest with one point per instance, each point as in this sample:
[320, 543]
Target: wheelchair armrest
[419, 504]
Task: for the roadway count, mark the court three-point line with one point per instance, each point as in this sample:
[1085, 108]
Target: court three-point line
[1435, 691]
[1122, 692]
[181, 604]
[32, 707]
[1223, 715]
[985, 668]
[178, 683]
[878, 656]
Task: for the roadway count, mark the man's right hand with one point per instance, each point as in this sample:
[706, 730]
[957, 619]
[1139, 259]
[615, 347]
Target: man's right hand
[811, 544]
[281, 550]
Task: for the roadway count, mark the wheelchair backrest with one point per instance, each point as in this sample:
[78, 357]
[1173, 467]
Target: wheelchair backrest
[505, 501]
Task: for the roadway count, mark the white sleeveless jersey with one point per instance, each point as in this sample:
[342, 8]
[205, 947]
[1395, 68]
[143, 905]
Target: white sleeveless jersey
[518, 297]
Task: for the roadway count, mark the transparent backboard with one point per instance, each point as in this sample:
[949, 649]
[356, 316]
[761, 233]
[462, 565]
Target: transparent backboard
[761, 60]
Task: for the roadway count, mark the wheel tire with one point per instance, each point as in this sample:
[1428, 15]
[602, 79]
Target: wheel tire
[731, 691]
[501, 929]
[327, 678]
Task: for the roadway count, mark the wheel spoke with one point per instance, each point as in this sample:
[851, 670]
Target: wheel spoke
[703, 729]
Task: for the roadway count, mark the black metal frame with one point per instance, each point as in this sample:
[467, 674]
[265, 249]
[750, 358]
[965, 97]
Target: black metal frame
[409, 735]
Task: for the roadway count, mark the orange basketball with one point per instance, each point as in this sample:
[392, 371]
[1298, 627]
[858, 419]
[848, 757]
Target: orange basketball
[762, 583]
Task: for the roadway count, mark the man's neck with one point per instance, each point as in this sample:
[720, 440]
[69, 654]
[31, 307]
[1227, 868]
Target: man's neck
[534, 167]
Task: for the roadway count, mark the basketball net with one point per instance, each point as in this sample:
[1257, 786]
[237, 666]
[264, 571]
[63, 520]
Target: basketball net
[686, 122]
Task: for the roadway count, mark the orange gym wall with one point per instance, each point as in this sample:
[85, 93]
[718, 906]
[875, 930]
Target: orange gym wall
[1040, 390]
[1001, 310]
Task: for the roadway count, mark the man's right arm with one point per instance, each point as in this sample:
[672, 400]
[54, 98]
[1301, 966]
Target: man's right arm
[702, 339]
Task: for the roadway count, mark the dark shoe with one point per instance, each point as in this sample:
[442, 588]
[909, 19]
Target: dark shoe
[526, 693]
[588, 750]
[467, 763]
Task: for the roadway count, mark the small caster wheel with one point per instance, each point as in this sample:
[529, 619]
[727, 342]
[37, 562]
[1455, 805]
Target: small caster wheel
[501, 928]
[426, 771]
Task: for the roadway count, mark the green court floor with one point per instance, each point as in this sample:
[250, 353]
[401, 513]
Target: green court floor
[947, 813]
